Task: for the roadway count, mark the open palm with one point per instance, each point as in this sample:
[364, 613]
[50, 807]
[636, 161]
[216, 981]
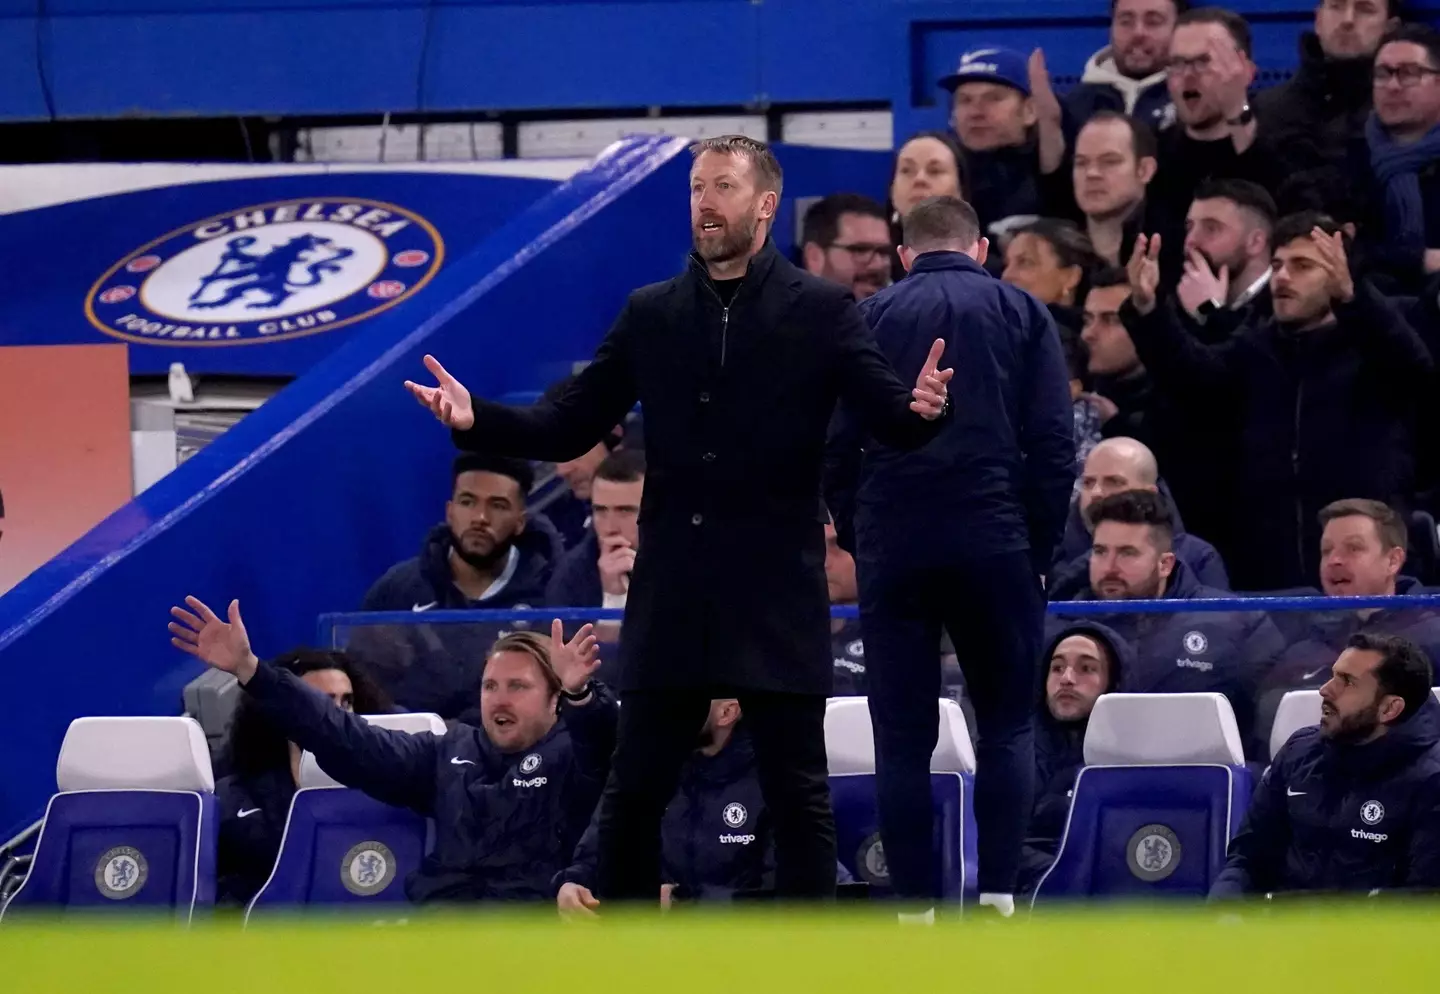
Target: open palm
[449, 401]
[576, 660]
[224, 645]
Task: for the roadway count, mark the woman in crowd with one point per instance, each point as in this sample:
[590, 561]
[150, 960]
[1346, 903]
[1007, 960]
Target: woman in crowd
[1053, 260]
[930, 164]
[254, 800]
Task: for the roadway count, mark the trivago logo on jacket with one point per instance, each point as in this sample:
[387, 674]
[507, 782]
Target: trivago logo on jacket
[267, 272]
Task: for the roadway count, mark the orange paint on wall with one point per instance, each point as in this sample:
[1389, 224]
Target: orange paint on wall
[64, 448]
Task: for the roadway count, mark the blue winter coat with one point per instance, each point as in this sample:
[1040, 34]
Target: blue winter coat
[505, 823]
[1332, 817]
[997, 479]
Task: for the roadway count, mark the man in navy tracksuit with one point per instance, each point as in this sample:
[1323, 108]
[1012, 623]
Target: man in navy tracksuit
[1085, 660]
[1352, 804]
[509, 800]
[955, 536]
[1133, 558]
[716, 836]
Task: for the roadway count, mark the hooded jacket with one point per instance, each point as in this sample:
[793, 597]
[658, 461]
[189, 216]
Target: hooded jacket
[505, 823]
[1104, 87]
[716, 834]
[1071, 572]
[1059, 755]
[1334, 817]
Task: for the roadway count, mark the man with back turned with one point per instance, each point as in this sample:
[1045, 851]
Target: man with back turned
[956, 536]
[738, 362]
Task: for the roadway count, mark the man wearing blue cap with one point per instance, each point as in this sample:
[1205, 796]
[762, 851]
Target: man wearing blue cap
[1008, 121]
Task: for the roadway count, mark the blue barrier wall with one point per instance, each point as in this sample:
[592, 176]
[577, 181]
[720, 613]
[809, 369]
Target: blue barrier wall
[111, 58]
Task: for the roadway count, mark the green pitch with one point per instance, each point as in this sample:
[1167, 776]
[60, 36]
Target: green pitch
[1357, 950]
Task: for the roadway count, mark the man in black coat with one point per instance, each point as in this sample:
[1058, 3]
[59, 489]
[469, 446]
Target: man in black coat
[955, 536]
[1314, 115]
[1353, 804]
[738, 362]
[1324, 394]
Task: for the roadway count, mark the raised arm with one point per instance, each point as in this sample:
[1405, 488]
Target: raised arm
[897, 417]
[1173, 357]
[555, 429]
[394, 767]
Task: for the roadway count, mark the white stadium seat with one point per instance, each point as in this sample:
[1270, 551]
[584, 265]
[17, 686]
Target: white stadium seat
[850, 739]
[1162, 730]
[414, 722]
[1298, 709]
[135, 753]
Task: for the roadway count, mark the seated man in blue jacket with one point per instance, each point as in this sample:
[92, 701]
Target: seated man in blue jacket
[716, 836]
[509, 800]
[1086, 660]
[1133, 558]
[1352, 804]
[487, 553]
[1114, 465]
[1362, 551]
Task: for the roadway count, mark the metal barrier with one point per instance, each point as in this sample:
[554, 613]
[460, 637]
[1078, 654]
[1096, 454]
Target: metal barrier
[15, 861]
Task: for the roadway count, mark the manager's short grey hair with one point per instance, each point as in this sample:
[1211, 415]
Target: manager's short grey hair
[938, 221]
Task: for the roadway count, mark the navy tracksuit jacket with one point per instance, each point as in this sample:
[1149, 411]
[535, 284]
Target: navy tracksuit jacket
[1331, 817]
[505, 823]
[1228, 652]
[716, 835]
[253, 811]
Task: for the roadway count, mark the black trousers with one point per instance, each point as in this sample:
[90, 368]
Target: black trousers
[658, 732]
[994, 610]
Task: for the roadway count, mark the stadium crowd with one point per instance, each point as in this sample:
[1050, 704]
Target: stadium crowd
[1246, 290]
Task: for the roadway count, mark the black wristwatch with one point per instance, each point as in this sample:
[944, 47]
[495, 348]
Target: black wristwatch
[1246, 116]
[579, 695]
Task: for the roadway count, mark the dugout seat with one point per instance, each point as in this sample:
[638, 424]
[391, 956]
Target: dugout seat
[850, 751]
[343, 847]
[1163, 790]
[134, 825]
[857, 833]
[1297, 709]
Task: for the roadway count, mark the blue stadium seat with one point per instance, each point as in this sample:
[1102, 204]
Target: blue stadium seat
[1163, 791]
[857, 832]
[342, 847]
[850, 749]
[134, 825]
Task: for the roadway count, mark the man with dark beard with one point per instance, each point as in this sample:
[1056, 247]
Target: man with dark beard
[484, 555]
[1352, 804]
[738, 362]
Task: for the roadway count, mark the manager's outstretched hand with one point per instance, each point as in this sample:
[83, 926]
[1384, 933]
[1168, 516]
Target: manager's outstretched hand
[223, 645]
[449, 402]
[929, 392]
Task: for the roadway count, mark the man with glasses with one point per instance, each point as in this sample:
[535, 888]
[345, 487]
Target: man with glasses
[846, 240]
[1209, 73]
[1399, 161]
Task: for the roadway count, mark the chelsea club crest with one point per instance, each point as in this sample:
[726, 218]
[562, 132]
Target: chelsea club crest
[267, 273]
